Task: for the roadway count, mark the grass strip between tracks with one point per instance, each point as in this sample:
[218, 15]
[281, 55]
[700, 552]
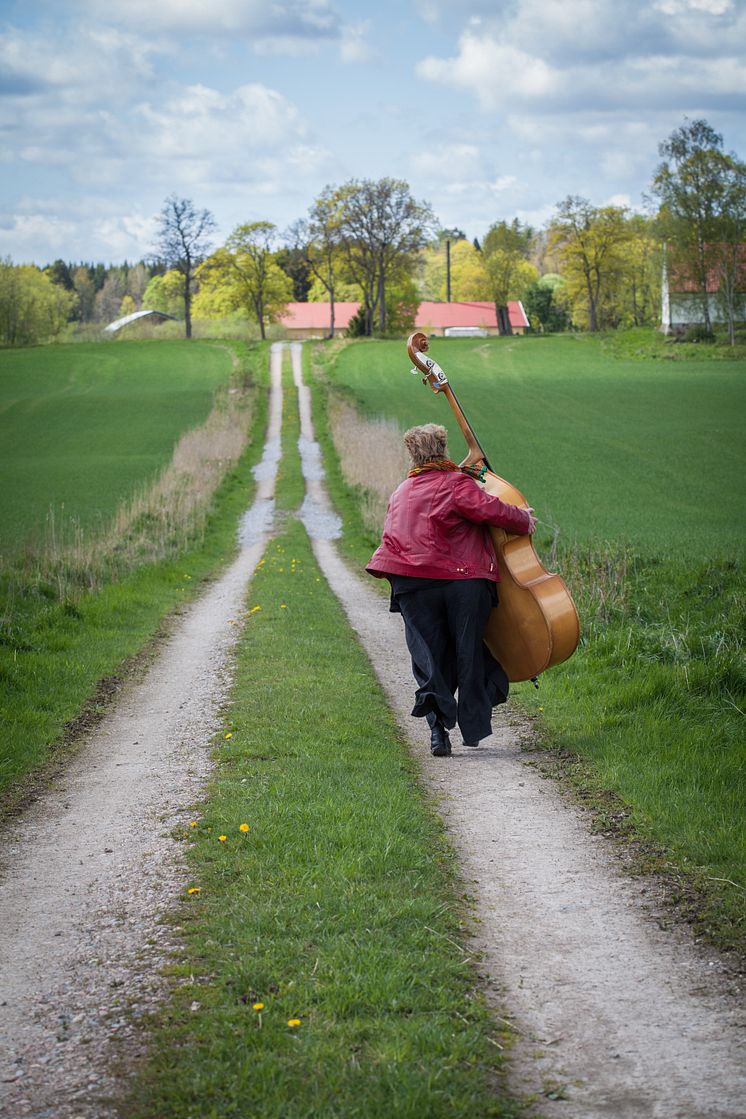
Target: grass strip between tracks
[60, 662]
[323, 972]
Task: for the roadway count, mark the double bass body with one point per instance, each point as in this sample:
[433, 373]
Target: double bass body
[535, 624]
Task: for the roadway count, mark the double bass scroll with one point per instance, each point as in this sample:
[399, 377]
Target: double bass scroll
[535, 624]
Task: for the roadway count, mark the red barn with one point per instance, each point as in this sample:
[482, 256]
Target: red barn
[311, 320]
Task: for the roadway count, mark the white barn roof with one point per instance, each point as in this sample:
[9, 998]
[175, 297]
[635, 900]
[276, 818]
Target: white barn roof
[119, 323]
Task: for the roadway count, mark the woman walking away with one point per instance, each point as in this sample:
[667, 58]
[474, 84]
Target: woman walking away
[437, 554]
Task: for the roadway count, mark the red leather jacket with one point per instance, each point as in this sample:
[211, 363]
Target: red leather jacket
[435, 528]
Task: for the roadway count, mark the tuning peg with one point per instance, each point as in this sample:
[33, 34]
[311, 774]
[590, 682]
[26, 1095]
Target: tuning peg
[414, 371]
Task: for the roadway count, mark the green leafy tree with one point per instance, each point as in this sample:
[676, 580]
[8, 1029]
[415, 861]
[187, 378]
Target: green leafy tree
[589, 243]
[292, 261]
[469, 279]
[382, 230]
[245, 275]
[505, 251]
[32, 307]
[545, 313]
[165, 293]
[693, 183]
[85, 290]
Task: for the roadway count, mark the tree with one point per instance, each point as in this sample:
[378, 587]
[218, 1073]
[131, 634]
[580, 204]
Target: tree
[382, 227]
[109, 299]
[183, 241]
[137, 282]
[59, 273]
[543, 310]
[640, 289]
[505, 251]
[468, 273]
[164, 293]
[729, 255]
[85, 291]
[32, 308]
[692, 182]
[292, 261]
[513, 238]
[589, 243]
[318, 239]
[244, 274]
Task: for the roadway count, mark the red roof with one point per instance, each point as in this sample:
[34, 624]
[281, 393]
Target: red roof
[477, 313]
[682, 280]
[315, 316]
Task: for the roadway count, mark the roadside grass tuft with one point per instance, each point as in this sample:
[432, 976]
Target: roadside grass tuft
[337, 908]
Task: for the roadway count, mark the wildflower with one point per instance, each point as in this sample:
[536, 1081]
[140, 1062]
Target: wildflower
[293, 1022]
[229, 734]
[193, 824]
[243, 827]
[222, 838]
[254, 609]
[194, 889]
[257, 1006]
[541, 708]
[283, 606]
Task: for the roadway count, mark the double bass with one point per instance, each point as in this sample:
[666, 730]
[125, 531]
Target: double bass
[535, 624]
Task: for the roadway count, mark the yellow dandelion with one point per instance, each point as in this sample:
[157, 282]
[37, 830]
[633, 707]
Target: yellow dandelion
[257, 1006]
[254, 609]
[283, 606]
[193, 824]
[293, 1022]
[243, 827]
[541, 708]
[222, 838]
[194, 889]
[229, 734]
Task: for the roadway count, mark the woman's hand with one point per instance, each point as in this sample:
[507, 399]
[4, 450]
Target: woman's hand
[531, 520]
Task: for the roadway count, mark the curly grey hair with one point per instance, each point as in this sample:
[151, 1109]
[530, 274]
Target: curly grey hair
[426, 443]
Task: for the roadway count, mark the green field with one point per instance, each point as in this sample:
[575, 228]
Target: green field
[640, 466]
[648, 452]
[69, 623]
[83, 426]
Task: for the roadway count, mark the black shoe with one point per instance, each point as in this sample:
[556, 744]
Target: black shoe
[440, 743]
[472, 745]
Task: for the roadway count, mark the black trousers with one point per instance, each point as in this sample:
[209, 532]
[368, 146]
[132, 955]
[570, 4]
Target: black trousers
[459, 681]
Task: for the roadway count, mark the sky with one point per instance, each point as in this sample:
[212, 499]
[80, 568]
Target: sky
[489, 109]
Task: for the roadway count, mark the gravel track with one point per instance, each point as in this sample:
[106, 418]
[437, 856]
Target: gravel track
[617, 1016]
[620, 1018]
[88, 871]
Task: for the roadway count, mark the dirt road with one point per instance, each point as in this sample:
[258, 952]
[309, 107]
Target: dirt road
[615, 1017]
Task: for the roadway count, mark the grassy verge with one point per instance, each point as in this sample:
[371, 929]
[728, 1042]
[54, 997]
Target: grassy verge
[358, 542]
[646, 721]
[61, 658]
[651, 710]
[322, 973]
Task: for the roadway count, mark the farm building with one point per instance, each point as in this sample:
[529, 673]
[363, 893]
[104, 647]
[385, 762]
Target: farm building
[311, 320]
[682, 301]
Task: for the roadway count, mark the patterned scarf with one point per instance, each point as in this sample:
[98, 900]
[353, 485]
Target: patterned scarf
[475, 472]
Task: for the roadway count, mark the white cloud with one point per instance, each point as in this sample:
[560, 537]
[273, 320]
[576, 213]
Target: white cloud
[355, 44]
[495, 72]
[293, 18]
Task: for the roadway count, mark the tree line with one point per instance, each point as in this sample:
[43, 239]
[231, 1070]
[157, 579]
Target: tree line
[592, 268]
